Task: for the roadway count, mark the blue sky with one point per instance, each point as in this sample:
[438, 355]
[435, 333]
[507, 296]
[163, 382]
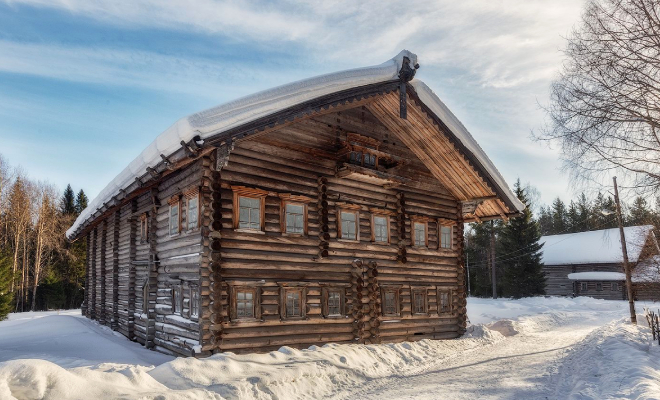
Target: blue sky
[85, 85]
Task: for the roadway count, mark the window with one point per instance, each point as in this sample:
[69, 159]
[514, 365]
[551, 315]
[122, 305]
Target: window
[381, 229]
[369, 160]
[446, 237]
[583, 286]
[333, 302]
[349, 221]
[615, 287]
[249, 213]
[145, 298]
[599, 286]
[294, 217]
[245, 303]
[445, 301]
[144, 228]
[419, 234]
[419, 301]
[293, 303]
[192, 213]
[174, 218]
[390, 302]
[177, 301]
[194, 301]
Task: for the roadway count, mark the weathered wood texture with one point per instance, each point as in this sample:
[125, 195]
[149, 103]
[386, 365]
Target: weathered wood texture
[558, 284]
[145, 267]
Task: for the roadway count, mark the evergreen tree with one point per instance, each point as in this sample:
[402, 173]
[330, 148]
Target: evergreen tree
[5, 281]
[478, 256]
[584, 214]
[573, 217]
[67, 203]
[81, 202]
[545, 221]
[639, 212]
[521, 263]
[559, 217]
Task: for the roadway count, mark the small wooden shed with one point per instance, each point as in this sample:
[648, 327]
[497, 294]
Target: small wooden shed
[326, 210]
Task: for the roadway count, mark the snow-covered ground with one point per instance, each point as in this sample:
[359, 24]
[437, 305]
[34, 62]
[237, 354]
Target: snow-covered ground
[537, 348]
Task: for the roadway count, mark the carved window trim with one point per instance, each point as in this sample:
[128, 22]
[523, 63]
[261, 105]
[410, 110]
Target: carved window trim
[145, 297]
[285, 289]
[292, 200]
[396, 290]
[441, 237]
[189, 196]
[251, 193]
[413, 231]
[348, 209]
[326, 292]
[388, 224]
[447, 309]
[234, 290]
[414, 293]
[174, 202]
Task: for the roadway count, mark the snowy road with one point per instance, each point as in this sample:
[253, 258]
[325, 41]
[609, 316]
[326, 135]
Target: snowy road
[519, 367]
[537, 348]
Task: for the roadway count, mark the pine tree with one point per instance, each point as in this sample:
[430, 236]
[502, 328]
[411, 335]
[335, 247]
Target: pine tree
[559, 217]
[639, 212]
[584, 214]
[67, 203]
[545, 221]
[521, 263]
[573, 217]
[81, 202]
[5, 280]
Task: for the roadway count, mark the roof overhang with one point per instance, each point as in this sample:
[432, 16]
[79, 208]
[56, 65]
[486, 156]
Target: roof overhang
[446, 148]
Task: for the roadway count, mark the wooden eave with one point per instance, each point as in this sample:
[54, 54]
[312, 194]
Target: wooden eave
[455, 167]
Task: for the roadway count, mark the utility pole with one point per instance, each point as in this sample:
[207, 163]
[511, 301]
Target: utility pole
[492, 259]
[626, 265]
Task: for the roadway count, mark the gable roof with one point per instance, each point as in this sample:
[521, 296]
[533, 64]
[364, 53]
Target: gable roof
[594, 247]
[214, 122]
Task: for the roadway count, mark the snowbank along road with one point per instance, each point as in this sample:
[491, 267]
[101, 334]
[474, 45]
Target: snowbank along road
[538, 348]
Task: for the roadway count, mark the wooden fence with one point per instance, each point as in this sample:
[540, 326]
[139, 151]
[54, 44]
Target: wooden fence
[653, 320]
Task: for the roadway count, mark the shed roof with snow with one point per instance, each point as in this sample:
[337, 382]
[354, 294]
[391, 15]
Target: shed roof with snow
[470, 176]
[595, 247]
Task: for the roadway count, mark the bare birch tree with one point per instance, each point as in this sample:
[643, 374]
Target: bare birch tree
[48, 236]
[605, 105]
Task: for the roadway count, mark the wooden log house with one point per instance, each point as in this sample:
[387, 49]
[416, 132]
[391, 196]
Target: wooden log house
[327, 210]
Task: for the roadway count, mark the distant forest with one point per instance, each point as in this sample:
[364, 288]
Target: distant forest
[514, 260]
[39, 268]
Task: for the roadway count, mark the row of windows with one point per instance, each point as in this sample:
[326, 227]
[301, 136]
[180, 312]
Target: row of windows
[245, 302]
[177, 296]
[250, 216]
[614, 286]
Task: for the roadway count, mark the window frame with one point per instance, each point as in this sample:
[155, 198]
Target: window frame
[349, 210]
[413, 222]
[450, 301]
[193, 195]
[144, 227]
[413, 306]
[256, 194]
[614, 286]
[193, 299]
[584, 286]
[284, 289]
[325, 301]
[440, 237]
[599, 286]
[373, 228]
[177, 304]
[256, 303]
[397, 300]
[285, 204]
[175, 201]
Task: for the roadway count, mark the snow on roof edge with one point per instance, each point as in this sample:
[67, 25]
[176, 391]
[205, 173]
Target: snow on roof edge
[597, 276]
[249, 108]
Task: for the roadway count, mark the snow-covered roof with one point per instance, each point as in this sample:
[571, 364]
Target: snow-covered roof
[213, 121]
[647, 270]
[597, 276]
[594, 247]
